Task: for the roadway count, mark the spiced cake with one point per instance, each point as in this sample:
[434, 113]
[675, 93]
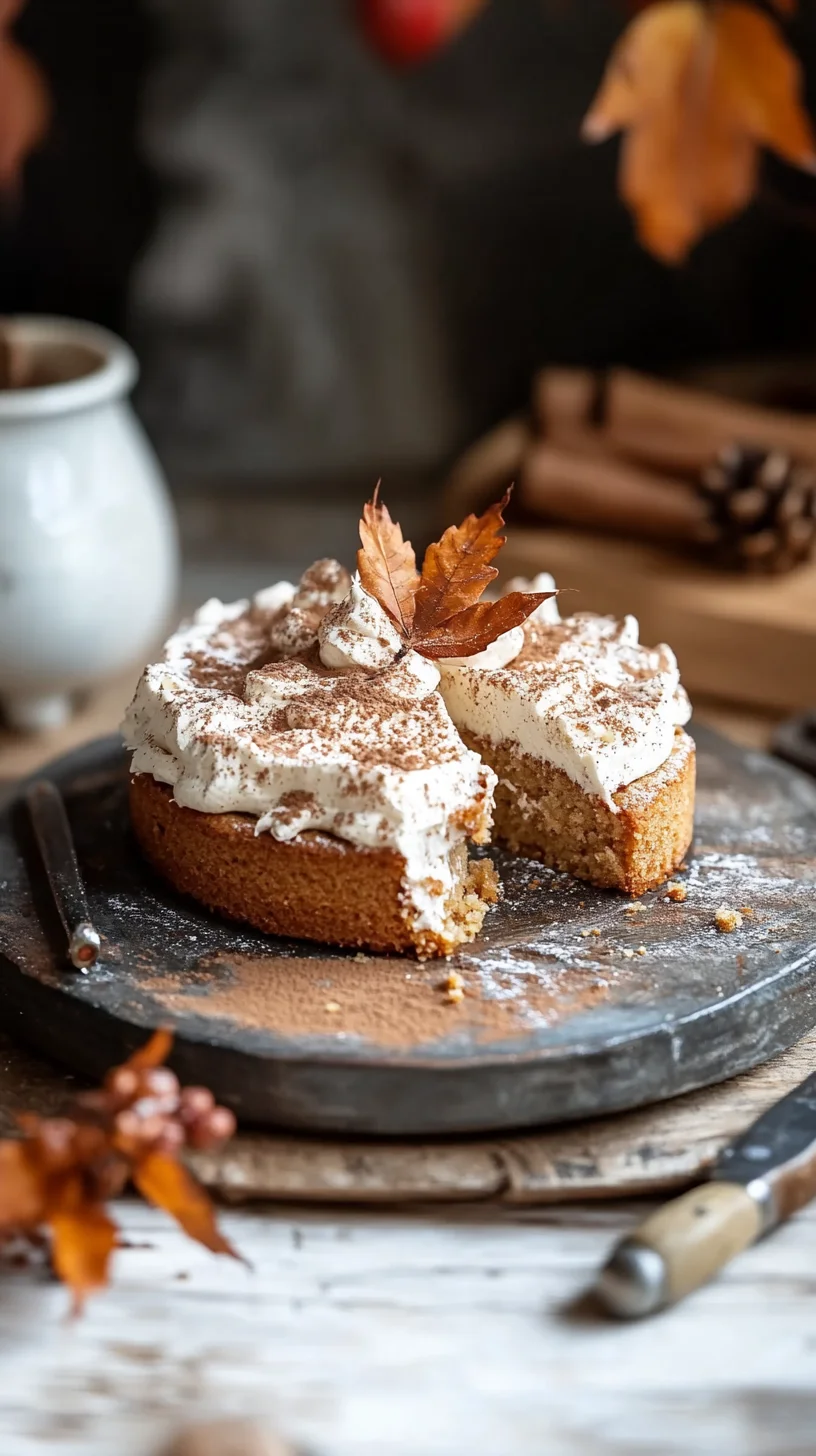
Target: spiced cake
[302, 763]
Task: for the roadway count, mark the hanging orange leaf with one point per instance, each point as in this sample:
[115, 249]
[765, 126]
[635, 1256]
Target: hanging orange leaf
[24, 105]
[698, 88]
[439, 614]
[58, 1176]
[387, 564]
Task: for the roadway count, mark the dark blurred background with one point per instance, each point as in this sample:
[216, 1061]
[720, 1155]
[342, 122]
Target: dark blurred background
[333, 270]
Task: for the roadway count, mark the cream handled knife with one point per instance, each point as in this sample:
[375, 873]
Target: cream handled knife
[758, 1181]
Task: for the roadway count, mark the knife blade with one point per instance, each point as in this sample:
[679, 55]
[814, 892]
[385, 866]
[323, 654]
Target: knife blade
[758, 1181]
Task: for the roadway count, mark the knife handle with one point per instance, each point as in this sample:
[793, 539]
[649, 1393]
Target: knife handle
[679, 1248]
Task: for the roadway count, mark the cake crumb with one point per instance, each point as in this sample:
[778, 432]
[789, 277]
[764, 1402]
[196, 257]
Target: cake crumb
[641, 950]
[332, 1006]
[628, 954]
[746, 910]
[594, 931]
[534, 884]
[454, 986]
[635, 906]
[676, 892]
[727, 920]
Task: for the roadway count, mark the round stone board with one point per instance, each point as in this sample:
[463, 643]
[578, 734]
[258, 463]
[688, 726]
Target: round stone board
[577, 1002]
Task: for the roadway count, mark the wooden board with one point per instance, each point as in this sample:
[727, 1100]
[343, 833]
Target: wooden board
[558, 1022]
[747, 639]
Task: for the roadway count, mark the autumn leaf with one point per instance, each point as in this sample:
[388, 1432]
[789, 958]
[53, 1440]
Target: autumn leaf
[457, 569]
[439, 614]
[22, 1187]
[476, 627]
[83, 1239]
[698, 89]
[24, 105]
[167, 1185]
[153, 1053]
[387, 564]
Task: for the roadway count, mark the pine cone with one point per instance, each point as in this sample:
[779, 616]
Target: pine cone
[760, 510]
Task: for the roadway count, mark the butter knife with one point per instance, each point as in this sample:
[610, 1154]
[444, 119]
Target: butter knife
[55, 842]
[758, 1182]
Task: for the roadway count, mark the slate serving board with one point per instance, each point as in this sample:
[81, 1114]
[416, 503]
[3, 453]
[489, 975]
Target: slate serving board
[575, 1003]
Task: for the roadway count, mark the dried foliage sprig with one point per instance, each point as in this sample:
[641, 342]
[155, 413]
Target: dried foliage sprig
[438, 611]
[60, 1174]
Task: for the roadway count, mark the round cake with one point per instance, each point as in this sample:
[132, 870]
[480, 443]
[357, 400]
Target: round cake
[303, 764]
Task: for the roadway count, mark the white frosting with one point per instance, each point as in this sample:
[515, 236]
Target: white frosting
[585, 697]
[358, 633]
[374, 760]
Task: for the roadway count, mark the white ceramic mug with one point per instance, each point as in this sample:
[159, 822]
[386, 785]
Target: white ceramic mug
[88, 550]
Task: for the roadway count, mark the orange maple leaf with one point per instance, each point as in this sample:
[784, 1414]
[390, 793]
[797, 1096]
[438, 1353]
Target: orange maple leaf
[438, 613]
[698, 89]
[24, 105]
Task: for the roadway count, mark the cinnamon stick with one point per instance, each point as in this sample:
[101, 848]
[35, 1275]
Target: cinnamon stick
[639, 408]
[607, 495]
[667, 426]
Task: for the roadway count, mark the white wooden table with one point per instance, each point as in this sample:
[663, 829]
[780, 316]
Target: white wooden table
[411, 1335]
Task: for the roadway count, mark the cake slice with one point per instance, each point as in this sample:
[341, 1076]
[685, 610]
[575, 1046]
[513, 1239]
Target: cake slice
[583, 727]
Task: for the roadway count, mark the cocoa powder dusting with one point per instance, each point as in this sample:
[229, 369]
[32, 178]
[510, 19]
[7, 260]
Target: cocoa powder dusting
[389, 1002]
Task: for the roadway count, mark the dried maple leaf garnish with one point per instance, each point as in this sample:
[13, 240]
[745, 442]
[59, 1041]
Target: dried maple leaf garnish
[438, 613]
[387, 564]
[59, 1175]
[24, 105]
[699, 88]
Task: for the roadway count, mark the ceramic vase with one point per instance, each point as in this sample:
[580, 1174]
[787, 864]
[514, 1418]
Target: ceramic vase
[88, 549]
